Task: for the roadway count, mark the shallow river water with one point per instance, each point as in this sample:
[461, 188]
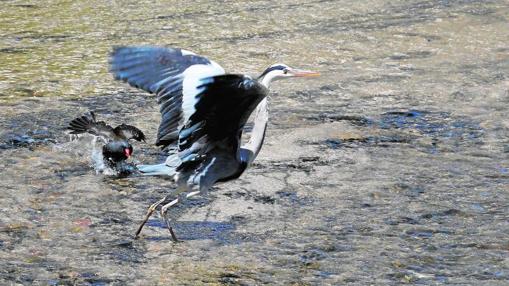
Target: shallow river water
[391, 168]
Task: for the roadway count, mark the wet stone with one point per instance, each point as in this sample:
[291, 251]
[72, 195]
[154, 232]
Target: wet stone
[265, 199]
[15, 50]
[433, 124]
[114, 219]
[309, 159]
[382, 141]
[399, 56]
[401, 220]
[329, 87]
[408, 190]
[285, 166]
[31, 139]
[238, 218]
[353, 119]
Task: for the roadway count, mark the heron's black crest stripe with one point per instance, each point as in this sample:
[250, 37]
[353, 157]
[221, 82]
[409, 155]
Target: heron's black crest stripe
[272, 68]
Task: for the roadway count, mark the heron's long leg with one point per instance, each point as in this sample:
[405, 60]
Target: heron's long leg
[150, 211]
[165, 208]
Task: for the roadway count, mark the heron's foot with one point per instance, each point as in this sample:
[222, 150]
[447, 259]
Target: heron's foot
[172, 233]
[150, 211]
[164, 209]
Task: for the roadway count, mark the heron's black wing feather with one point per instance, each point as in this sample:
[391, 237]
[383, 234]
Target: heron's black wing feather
[161, 71]
[88, 124]
[221, 110]
[129, 132]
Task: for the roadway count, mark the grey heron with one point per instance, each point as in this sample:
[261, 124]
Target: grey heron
[203, 111]
[117, 148]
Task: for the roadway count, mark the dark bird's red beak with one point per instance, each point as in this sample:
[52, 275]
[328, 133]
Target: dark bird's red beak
[127, 152]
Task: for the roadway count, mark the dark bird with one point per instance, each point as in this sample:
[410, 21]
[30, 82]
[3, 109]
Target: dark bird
[117, 147]
[204, 111]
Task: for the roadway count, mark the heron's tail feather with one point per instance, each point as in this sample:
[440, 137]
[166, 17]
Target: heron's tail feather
[82, 124]
[173, 160]
[156, 170]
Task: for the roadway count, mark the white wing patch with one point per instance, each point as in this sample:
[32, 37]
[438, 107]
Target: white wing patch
[187, 53]
[195, 76]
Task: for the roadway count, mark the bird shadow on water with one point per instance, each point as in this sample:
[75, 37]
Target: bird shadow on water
[222, 232]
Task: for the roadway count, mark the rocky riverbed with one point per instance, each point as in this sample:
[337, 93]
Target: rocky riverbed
[390, 168]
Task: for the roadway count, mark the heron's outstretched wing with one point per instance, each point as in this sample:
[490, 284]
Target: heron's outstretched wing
[223, 105]
[172, 74]
[129, 132]
[88, 124]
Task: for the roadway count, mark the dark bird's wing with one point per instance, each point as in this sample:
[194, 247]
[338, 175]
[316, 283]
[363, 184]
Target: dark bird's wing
[129, 132]
[172, 74]
[88, 124]
[222, 106]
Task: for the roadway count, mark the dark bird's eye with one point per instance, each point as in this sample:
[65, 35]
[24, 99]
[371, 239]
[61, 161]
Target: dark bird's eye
[285, 71]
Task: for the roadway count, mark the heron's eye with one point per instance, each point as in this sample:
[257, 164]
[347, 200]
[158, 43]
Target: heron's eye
[285, 71]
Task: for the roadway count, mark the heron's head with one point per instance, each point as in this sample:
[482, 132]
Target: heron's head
[280, 71]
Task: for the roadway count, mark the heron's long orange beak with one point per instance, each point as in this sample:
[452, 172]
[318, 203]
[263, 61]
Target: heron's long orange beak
[304, 73]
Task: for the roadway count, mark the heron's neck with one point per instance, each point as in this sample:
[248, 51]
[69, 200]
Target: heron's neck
[267, 79]
[258, 134]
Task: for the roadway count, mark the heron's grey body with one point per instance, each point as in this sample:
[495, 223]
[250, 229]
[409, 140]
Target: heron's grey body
[203, 113]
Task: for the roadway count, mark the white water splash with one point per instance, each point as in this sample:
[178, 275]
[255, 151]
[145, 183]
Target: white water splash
[97, 160]
[82, 145]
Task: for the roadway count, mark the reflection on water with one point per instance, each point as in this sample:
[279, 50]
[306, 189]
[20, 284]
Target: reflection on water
[390, 168]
